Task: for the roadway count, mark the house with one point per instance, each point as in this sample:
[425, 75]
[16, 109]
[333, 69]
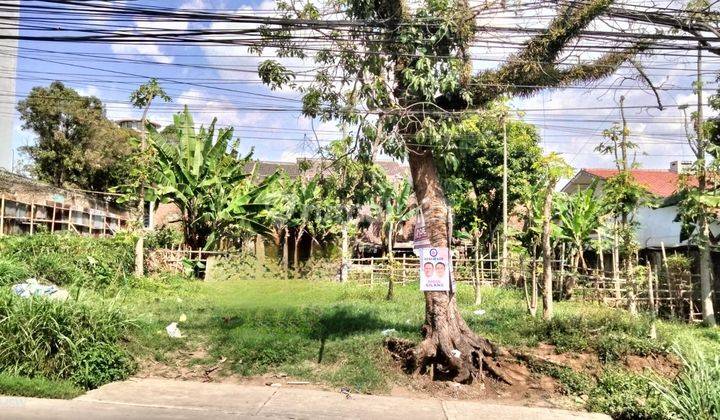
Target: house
[134, 124]
[27, 205]
[656, 225]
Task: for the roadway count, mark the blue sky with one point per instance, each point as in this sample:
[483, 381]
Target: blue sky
[221, 81]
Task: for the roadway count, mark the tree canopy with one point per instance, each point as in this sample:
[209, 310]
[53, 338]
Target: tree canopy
[473, 176]
[76, 145]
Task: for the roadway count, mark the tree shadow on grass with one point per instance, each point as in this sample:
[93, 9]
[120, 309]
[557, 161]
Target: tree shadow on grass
[314, 323]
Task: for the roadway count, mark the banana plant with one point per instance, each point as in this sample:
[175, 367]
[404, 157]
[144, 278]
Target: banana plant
[394, 207]
[206, 179]
[580, 215]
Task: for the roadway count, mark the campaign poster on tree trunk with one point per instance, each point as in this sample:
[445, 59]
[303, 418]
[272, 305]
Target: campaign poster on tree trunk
[434, 269]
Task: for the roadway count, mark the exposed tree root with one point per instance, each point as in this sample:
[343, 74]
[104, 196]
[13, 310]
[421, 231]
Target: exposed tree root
[450, 350]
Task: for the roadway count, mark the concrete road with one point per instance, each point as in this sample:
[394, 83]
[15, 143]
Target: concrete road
[166, 399]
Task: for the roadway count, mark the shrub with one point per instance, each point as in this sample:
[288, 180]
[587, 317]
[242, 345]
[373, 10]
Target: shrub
[164, 237]
[13, 271]
[625, 395]
[572, 383]
[62, 340]
[695, 392]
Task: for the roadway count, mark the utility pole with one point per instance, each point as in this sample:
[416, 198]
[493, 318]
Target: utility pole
[706, 292]
[8, 65]
[503, 274]
[623, 142]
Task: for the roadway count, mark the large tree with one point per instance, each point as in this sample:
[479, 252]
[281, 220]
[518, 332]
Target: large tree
[402, 74]
[76, 145]
[472, 173]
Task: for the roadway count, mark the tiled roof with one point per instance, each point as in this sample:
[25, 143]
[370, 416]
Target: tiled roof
[662, 183]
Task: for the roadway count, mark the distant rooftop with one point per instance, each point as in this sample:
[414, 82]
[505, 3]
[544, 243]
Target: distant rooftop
[394, 170]
[659, 182]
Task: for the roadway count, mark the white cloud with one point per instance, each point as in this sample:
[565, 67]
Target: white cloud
[151, 50]
[89, 90]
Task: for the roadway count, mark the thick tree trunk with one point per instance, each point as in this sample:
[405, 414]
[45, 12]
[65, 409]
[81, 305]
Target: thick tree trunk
[547, 258]
[449, 346]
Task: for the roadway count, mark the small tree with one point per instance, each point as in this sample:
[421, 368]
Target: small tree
[394, 207]
[552, 168]
[142, 98]
[355, 182]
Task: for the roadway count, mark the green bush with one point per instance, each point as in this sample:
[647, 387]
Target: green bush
[13, 271]
[66, 259]
[572, 383]
[695, 392]
[625, 395]
[62, 340]
[164, 237]
[611, 333]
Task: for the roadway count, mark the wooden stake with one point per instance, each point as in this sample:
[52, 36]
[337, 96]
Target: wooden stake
[651, 302]
[670, 282]
[616, 266]
[32, 218]
[561, 280]
[52, 221]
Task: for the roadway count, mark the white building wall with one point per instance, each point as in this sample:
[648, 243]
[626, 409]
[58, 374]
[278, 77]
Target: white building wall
[8, 65]
[656, 226]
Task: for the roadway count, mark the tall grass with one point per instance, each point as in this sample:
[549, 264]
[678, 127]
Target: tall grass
[69, 340]
[695, 393]
[67, 259]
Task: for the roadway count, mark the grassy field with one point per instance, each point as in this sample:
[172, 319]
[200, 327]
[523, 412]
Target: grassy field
[327, 333]
[332, 333]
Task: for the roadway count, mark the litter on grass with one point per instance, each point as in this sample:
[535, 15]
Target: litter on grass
[32, 288]
[388, 331]
[173, 330]
[479, 312]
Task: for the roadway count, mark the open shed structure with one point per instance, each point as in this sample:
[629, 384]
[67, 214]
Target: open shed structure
[27, 205]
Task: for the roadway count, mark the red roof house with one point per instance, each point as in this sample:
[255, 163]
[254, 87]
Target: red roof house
[661, 183]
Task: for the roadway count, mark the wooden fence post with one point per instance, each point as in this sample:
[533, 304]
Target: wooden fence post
[32, 218]
[404, 263]
[670, 282]
[651, 302]
[561, 278]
